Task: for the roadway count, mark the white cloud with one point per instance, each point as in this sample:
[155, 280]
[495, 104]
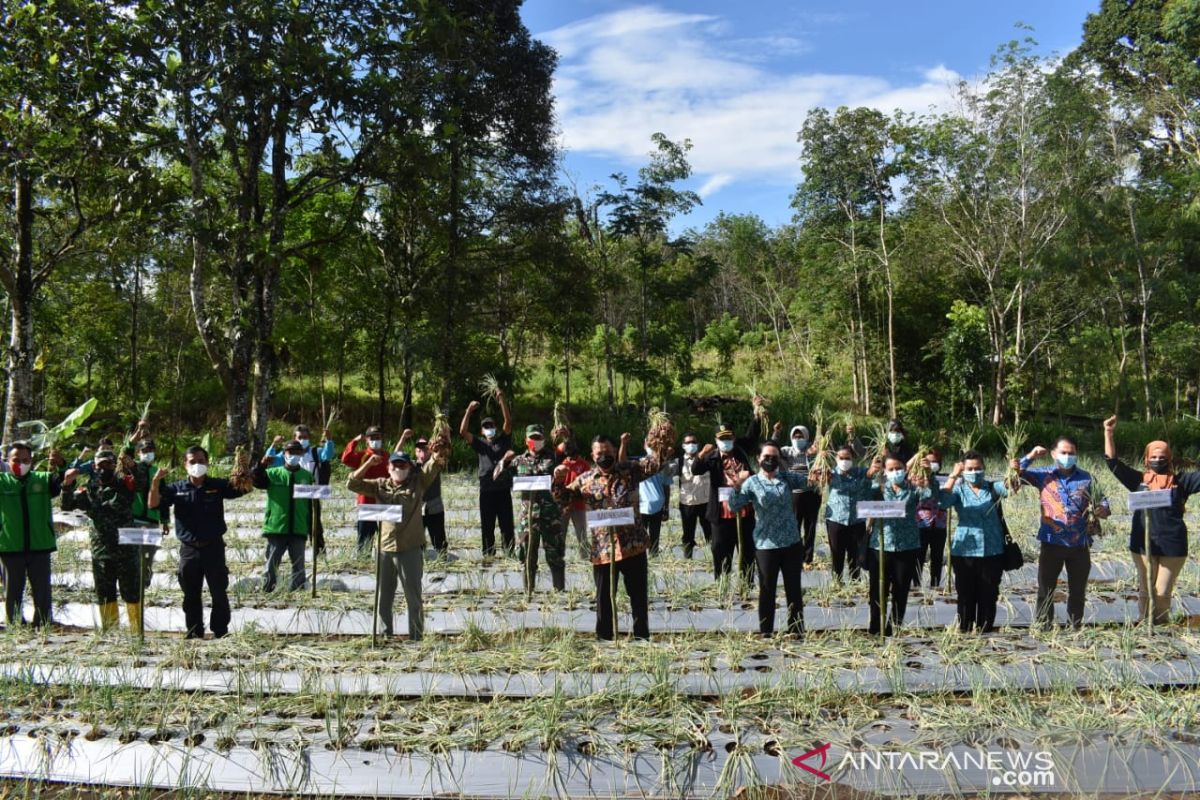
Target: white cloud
[625, 75]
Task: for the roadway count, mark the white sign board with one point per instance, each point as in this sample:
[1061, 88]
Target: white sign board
[882, 509]
[371, 512]
[725, 494]
[148, 537]
[610, 517]
[1160, 498]
[532, 483]
[312, 492]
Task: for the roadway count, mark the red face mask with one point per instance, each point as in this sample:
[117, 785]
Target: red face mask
[535, 445]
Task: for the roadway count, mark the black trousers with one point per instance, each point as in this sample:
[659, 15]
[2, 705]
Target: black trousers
[19, 568]
[1052, 558]
[366, 535]
[198, 566]
[933, 550]
[807, 505]
[636, 573]
[788, 561]
[496, 507]
[846, 545]
[898, 569]
[435, 527]
[690, 515]
[653, 524]
[977, 581]
[726, 539]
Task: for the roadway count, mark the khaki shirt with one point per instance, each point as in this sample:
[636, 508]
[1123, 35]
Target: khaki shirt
[409, 534]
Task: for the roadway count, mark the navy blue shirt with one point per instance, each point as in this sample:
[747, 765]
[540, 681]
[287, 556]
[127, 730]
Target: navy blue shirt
[199, 510]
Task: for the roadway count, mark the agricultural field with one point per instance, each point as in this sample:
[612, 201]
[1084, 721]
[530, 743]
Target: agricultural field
[510, 695]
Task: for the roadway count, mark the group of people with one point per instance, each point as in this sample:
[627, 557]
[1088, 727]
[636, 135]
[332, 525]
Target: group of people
[757, 498]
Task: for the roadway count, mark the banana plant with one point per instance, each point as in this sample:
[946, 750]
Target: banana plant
[47, 437]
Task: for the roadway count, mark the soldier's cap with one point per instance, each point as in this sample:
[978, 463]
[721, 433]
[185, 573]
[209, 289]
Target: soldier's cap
[146, 444]
[724, 431]
[374, 430]
[400, 457]
[293, 446]
[105, 455]
[487, 421]
[530, 430]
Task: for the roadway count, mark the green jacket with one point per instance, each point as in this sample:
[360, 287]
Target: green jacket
[285, 516]
[142, 474]
[26, 519]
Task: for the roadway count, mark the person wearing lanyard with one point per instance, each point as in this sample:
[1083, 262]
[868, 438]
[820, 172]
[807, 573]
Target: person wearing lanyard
[693, 496]
[288, 522]
[1065, 492]
[1168, 532]
[199, 504]
[807, 501]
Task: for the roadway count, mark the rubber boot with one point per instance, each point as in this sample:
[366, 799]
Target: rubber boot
[110, 616]
[559, 576]
[135, 616]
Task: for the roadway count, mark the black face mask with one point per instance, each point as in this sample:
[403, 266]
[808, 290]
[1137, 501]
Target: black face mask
[769, 463]
[606, 461]
[106, 474]
[1158, 465]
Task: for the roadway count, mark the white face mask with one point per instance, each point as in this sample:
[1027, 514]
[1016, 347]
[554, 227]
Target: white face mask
[691, 448]
[375, 444]
[292, 459]
[895, 437]
[305, 443]
[197, 470]
[538, 444]
[725, 445]
[489, 433]
[896, 475]
[935, 465]
[844, 464]
[399, 475]
[799, 444]
[147, 458]
[20, 468]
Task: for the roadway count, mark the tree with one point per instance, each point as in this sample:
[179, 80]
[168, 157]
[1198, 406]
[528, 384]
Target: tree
[69, 158]
[722, 337]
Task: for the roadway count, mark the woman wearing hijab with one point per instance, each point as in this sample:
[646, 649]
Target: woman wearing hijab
[1168, 531]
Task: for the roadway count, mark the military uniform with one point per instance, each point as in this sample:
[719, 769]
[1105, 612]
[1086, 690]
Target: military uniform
[110, 506]
[540, 521]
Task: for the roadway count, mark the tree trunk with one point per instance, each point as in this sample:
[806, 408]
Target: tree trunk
[19, 401]
[450, 275]
[136, 303]
[406, 415]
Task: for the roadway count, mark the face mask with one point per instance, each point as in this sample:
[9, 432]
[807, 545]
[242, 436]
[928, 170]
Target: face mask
[375, 444]
[605, 461]
[895, 437]
[935, 465]
[896, 475]
[399, 475]
[106, 473]
[197, 470]
[725, 445]
[1158, 465]
[974, 477]
[535, 445]
[292, 460]
[691, 448]
[799, 444]
[844, 465]
[147, 458]
[20, 468]
[305, 443]
[769, 463]
[489, 433]
[1065, 460]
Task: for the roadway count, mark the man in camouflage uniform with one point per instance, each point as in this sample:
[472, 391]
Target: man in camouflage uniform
[108, 500]
[541, 518]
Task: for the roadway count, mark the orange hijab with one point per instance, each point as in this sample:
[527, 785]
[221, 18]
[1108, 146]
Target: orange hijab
[1152, 479]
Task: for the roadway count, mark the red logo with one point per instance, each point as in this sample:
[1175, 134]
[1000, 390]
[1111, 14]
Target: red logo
[822, 751]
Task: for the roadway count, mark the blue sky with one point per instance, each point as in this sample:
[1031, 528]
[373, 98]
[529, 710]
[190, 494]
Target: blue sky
[738, 78]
